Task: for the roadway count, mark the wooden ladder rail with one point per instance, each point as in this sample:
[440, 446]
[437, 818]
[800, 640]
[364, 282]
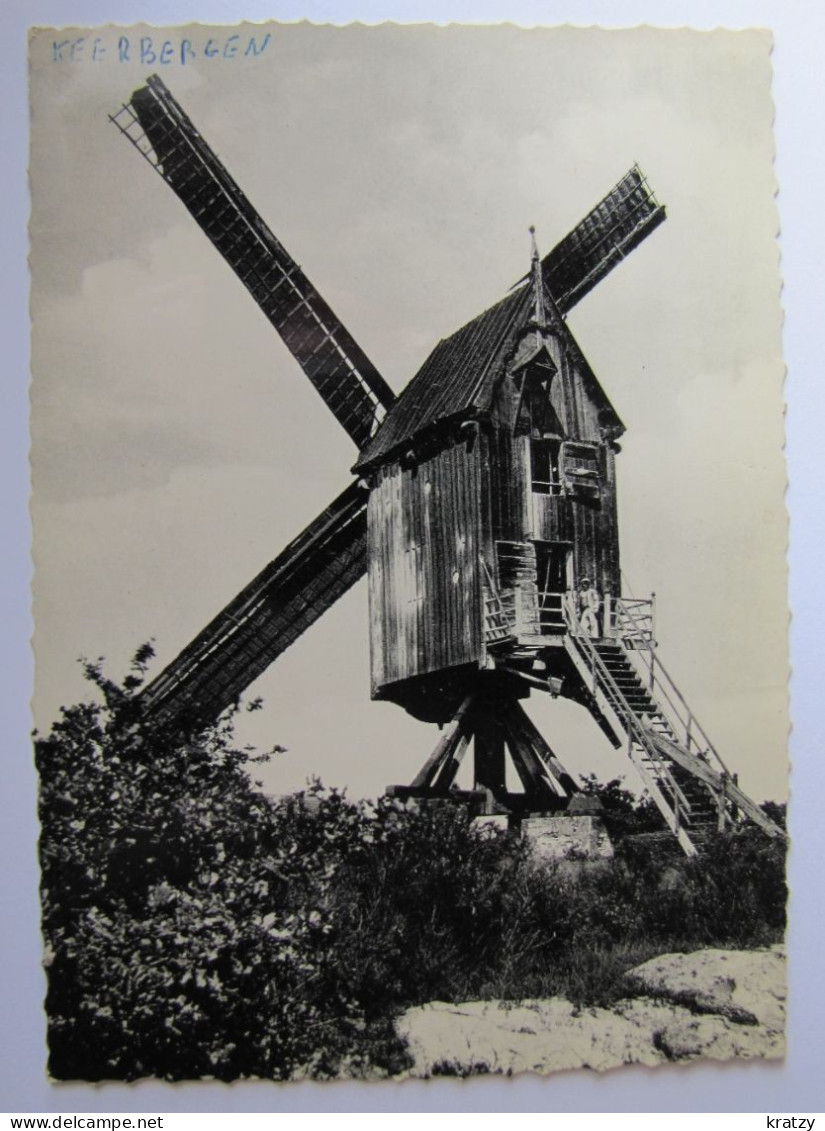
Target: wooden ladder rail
[722, 784]
[498, 629]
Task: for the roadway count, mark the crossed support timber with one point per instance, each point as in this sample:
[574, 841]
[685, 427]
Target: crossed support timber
[496, 725]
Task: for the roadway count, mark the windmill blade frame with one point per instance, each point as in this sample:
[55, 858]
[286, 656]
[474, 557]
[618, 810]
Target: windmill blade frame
[268, 615]
[608, 233]
[351, 386]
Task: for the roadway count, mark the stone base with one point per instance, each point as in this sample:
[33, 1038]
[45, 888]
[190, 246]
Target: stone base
[559, 838]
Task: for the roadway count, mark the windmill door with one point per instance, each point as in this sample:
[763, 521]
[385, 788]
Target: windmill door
[553, 574]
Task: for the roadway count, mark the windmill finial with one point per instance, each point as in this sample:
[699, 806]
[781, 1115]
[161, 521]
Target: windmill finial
[540, 315]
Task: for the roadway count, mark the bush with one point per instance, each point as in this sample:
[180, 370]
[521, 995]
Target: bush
[182, 935]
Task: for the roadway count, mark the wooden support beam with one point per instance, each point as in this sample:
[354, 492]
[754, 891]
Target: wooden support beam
[528, 765]
[528, 677]
[523, 769]
[489, 753]
[525, 741]
[544, 751]
[451, 764]
[445, 747]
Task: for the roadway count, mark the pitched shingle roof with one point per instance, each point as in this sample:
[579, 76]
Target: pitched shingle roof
[459, 378]
[456, 379]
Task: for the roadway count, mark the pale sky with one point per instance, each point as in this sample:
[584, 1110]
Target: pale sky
[177, 446]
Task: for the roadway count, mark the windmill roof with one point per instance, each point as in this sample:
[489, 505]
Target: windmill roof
[456, 379]
[460, 377]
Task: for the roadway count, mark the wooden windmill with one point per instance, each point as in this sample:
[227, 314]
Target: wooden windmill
[483, 511]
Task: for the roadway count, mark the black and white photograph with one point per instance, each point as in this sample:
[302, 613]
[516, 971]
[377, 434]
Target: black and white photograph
[410, 595]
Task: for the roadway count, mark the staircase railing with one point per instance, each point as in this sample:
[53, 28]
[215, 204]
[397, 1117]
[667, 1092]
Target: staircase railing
[551, 614]
[632, 619]
[652, 767]
[688, 747]
[631, 623]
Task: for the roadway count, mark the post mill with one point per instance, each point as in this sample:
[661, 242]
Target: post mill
[483, 510]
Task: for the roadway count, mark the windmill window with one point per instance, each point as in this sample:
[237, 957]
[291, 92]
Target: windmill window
[544, 458]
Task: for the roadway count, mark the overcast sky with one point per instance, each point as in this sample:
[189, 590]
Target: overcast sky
[177, 446]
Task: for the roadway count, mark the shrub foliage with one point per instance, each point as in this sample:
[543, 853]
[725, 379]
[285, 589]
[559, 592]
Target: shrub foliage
[196, 927]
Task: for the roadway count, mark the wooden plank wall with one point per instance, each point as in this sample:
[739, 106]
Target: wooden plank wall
[516, 515]
[595, 531]
[507, 482]
[595, 526]
[426, 610]
[551, 518]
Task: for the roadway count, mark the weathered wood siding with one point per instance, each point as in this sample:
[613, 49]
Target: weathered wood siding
[596, 537]
[517, 514]
[551, 519]
[424, 586]
[591, 524]
[507, 478]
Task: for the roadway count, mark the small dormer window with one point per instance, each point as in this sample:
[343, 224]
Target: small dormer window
[534, 413]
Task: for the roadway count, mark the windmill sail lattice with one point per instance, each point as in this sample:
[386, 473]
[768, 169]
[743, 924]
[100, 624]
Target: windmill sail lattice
[289, 595]
[349, 383]
[598, 243]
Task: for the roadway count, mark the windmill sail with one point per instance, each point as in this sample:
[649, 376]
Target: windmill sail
[306, 579]
[607, 234]
[339, 369]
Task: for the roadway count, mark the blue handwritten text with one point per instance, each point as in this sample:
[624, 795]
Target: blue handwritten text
[150, 51]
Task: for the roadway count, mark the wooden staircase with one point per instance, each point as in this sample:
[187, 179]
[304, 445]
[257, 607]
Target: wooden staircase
[680, 768]
[702, 808]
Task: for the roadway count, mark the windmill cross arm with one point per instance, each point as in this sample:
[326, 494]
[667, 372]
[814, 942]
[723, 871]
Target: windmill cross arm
[341, 372]
[289, 595]
[608, 233]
